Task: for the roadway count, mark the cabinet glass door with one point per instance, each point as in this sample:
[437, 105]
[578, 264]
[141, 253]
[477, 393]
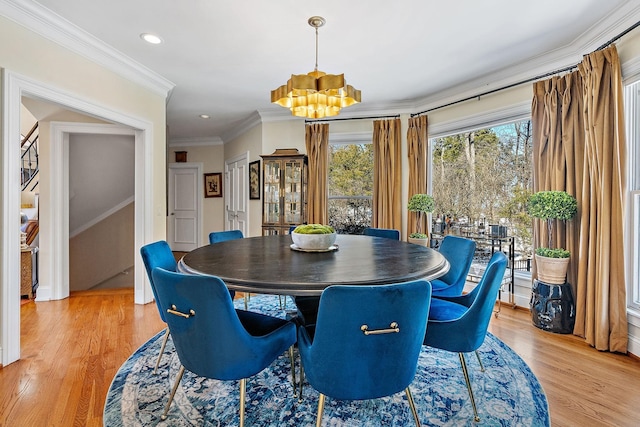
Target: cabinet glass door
[292, 191]
[272, 192]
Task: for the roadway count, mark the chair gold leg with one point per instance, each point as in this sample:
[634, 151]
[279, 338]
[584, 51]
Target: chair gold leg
[293, 370]
[476, 417]
[164, 344]
[243, 395]
[480, 361]
[320, 410]
[301, 382]
[412, 405]
[283, 301]
[246, 301]
[173, 392]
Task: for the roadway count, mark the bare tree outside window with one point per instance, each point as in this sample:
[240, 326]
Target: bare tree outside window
[350, 187]
[484, 177]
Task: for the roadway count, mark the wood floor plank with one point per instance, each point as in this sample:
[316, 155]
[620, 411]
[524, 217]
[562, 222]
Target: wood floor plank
[71, 350]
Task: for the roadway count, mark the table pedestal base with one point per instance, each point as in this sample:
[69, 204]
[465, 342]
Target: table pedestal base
[553, 307]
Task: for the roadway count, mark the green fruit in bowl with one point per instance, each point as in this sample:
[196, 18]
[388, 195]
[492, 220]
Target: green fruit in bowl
[314, 229]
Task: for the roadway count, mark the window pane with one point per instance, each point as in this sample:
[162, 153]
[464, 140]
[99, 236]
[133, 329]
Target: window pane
[484, 177]
[350, 187]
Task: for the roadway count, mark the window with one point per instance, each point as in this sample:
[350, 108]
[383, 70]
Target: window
[484, 177]
[632, 107]
[350, 187]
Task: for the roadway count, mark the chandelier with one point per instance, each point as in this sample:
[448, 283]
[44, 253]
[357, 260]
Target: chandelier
[315, 95]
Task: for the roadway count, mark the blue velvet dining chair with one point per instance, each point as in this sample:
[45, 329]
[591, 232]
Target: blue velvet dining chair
[307, 306]
[214, 340]
[158, 254]
[223, 236]
[387, 233]
[459, 252]
[459, 324]
[365, 350]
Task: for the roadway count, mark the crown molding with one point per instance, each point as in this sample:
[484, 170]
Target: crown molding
[44, 22]
[252, 120]
[195, 142]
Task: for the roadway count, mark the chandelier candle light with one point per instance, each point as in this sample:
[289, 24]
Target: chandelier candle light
[315, 95]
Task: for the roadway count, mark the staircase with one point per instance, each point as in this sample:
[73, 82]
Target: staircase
[29, 166]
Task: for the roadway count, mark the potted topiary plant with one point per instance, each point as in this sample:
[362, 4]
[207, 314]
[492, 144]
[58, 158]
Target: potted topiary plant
[421, 204]
[549, 206]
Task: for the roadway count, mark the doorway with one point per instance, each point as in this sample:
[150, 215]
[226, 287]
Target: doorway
[54, 230]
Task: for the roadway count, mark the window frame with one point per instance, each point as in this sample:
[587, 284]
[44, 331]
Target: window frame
[632, 245]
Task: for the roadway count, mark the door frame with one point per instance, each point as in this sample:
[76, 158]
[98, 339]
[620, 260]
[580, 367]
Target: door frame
[55, 255]
[199, 192]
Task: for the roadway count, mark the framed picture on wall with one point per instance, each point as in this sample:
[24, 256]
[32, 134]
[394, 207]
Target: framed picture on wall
[213, 184]
[254, 180]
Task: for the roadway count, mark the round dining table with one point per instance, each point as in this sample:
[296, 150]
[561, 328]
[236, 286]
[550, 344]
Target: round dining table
[270, 265]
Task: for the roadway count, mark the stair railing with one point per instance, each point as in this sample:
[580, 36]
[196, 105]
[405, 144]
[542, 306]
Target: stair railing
[29, 164]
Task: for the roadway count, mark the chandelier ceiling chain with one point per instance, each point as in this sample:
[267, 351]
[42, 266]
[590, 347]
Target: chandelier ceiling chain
[315, 95]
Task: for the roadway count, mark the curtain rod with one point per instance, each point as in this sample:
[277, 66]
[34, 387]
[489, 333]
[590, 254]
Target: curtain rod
[529, 80]
[396, 116]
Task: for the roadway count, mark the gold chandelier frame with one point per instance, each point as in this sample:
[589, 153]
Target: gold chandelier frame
[316, 95]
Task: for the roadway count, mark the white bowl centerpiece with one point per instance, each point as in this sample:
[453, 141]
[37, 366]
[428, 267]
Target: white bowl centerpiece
[313, 237]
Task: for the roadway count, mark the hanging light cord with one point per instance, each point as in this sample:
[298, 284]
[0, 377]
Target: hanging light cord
[316, 69]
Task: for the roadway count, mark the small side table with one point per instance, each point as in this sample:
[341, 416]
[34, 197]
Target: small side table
[28, 272]
[553, 307]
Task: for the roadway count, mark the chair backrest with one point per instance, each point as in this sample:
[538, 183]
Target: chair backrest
[387, 233]
[157, 254]
[472, 326]
[213, 342]
[223, 236]
[459, 252]
[345, 363]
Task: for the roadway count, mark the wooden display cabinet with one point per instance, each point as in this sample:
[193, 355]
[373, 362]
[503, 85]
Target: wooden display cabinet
[284, 191]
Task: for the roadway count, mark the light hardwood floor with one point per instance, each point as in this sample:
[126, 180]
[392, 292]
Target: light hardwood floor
[71, 350]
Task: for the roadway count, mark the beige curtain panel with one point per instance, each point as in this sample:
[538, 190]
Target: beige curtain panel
[579, 147]
[317, 144]
[387, 186]
[418, 147]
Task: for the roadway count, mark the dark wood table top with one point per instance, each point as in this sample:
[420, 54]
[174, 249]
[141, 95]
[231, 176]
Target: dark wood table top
[269, 265]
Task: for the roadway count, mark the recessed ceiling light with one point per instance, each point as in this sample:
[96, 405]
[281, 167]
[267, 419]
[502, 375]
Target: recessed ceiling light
[205, 116]
[151, 38]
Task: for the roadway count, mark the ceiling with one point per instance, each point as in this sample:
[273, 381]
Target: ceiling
[224, 57]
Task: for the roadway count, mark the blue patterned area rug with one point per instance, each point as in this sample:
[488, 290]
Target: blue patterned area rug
[507, 393]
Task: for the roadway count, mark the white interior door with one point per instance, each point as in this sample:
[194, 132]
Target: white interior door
[237, 190]
[185, 206]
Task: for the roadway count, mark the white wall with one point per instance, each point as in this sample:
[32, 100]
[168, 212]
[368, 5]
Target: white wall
[101, 176]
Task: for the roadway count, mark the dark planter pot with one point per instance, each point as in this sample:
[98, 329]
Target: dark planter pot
[552, 307]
